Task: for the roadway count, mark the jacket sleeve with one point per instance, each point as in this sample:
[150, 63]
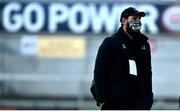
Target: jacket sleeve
[146, 82]
[101, 70]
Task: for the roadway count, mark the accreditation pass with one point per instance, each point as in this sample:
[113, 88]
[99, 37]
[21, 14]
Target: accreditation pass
[132, 67]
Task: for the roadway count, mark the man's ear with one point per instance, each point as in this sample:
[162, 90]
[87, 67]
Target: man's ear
[123, 21]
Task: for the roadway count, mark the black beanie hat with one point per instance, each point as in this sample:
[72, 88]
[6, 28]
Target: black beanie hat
[131, 11]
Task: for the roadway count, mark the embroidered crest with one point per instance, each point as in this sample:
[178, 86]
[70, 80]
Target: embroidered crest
[143, 47]
[124, 46]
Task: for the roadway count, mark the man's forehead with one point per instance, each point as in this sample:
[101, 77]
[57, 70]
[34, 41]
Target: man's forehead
[134, 17]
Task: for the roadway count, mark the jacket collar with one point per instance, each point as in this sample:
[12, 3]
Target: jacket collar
[141, 37]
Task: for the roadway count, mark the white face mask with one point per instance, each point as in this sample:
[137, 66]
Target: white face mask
[135, 24]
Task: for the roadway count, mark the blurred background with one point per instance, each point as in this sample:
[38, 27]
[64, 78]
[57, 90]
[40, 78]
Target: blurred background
[48, 49]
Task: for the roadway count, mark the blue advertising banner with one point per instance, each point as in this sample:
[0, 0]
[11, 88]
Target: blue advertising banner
[85, 17]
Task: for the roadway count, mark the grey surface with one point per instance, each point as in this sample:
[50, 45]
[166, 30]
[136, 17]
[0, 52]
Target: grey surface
[35, 77]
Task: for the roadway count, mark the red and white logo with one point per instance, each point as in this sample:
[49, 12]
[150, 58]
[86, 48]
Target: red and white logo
[171, 19]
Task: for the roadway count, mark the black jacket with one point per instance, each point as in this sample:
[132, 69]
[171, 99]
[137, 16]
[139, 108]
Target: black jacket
[113, 83]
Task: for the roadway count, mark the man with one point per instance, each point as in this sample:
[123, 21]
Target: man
[122, 74]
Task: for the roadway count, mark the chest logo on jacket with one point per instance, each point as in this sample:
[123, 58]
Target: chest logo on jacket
[124, 46]
[143, 47]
